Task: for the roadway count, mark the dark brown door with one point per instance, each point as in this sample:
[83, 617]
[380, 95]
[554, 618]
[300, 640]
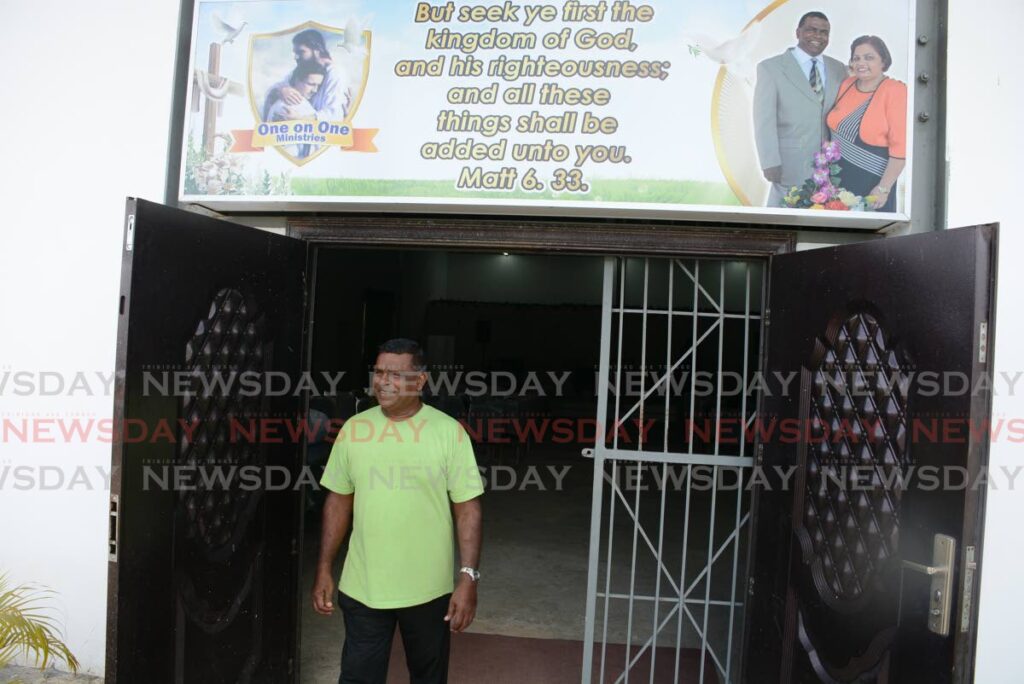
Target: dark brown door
[203, 565]
[873, 430]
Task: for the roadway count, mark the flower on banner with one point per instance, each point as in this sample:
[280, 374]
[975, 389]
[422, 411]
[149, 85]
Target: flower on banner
[823, 191]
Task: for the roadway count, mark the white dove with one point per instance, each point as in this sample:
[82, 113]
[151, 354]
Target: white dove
[734, 54]
[229, 31]
[351, 56]
[353, 38]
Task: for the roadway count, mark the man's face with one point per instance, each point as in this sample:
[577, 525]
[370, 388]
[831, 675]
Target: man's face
[303, 53]
[812, 36]
[396, 383]
[308, 86]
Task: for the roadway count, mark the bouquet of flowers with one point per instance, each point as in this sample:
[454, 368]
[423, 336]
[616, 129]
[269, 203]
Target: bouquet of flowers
[822, 189]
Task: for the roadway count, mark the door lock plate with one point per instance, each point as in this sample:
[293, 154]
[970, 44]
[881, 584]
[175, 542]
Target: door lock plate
[940, 596]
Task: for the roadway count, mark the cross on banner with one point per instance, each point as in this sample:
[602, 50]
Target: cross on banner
[214, 87]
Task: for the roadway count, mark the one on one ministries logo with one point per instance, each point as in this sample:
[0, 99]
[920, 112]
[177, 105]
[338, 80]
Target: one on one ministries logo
[305, 85]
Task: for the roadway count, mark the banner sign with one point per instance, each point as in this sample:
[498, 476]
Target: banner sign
[793, 111]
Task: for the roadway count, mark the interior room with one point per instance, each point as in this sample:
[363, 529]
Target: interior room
[513, 343]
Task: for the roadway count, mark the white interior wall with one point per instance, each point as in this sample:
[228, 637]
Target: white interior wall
[985, 101]
[84, 118]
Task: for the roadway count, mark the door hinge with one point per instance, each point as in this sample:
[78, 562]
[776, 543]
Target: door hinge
[114, 527]
[750, 586]
[983, 342]
[767, 317]
[295, 546]
[970, 566]
[760, 454]
[291, 666]
[305, 292]
[129, 234]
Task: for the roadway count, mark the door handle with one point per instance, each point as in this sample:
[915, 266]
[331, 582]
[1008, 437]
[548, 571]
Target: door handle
[940, 601]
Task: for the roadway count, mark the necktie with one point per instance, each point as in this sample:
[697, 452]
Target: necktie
[815, 78]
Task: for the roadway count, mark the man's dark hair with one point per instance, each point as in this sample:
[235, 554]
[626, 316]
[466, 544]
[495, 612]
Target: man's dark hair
[312, 39]
[880, 48]
[304, 69]
[811, 15]
[402, 345]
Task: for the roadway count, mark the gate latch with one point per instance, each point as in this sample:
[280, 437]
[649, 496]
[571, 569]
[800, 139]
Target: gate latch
[940, 600]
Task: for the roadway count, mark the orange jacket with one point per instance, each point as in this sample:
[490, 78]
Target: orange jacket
[885, 122]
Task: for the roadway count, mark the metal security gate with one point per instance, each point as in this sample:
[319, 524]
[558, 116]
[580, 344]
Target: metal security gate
[677, 399]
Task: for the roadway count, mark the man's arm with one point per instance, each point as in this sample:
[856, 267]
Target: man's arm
[336, 520]
[468, 524]
[335, 105]
[334, 98]
[766, 124]
[282, 90]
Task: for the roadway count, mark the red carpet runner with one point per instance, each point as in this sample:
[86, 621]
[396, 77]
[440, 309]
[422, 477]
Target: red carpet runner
[496, 659]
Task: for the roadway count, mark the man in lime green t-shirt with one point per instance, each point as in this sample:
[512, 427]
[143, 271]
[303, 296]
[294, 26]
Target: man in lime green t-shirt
[399, 473]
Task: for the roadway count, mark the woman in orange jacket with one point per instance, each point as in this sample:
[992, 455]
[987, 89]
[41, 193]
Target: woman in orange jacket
[869, 119]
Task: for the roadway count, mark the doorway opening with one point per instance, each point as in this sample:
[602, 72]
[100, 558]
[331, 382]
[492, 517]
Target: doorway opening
[224, 558]
[514, 345]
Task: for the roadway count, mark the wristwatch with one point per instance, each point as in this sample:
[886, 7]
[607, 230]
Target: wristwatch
[883, 189]
[473, 573]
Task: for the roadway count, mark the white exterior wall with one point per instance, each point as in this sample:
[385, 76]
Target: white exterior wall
[101, 134]
[86, 105]
[985, 104]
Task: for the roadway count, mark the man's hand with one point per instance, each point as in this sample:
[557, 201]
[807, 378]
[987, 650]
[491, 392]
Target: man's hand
[773, 174]
[336, 518]
[291, 95]
[462, 606]
[323, 589]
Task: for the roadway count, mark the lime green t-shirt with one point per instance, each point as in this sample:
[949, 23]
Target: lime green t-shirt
[403, 475]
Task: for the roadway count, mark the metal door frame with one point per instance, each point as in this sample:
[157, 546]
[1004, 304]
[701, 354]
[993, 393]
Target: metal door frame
[608, 238]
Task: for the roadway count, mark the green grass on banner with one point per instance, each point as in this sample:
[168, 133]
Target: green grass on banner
[641, 191]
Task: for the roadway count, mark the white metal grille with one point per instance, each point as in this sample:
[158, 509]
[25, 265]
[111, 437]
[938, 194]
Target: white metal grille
[666, 575]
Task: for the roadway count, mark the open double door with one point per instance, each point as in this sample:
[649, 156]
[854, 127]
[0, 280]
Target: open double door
[866, 551]
[871, 578]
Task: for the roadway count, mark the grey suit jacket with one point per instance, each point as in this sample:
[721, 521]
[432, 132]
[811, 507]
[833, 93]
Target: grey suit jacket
[789, 119]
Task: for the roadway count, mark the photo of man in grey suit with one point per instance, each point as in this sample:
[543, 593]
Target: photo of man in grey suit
[794, 92]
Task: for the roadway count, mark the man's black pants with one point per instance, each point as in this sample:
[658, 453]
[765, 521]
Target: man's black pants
[368, 635]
